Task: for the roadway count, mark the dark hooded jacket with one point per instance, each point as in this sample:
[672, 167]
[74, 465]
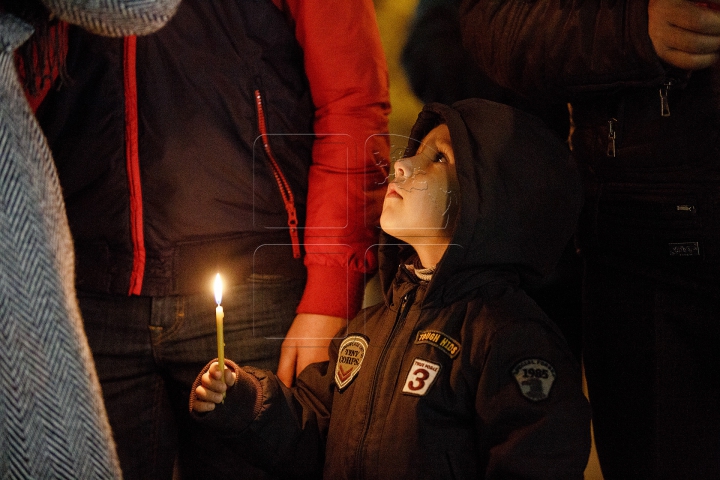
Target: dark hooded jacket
[460, 377]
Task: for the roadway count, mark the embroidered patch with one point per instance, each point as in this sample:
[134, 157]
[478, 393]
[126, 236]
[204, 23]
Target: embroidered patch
[350, 358]
[438, 339]
[535, 378]
[421, 377]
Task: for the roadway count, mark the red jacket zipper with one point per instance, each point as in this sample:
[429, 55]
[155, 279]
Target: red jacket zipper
[282, 183]
[133, 166]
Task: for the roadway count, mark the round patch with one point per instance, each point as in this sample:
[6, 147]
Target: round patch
[350, 358]
[535, 378]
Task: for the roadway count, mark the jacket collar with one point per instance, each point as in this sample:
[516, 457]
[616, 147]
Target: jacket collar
[491, 282]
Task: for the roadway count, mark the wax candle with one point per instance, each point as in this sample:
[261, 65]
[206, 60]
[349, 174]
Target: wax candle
[219, 316]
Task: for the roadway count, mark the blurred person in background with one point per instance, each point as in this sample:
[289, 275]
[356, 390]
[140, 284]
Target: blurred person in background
[644, 84]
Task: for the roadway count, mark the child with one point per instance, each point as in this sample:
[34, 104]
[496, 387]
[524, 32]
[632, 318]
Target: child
[458, 374]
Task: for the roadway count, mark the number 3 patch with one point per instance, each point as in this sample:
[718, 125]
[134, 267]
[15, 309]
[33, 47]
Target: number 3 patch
[421, 377]
[535, 378]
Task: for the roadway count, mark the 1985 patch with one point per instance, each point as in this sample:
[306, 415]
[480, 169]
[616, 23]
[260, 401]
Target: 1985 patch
[535, 378]
[350, 358]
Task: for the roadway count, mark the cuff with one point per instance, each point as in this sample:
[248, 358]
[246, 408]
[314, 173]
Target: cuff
[333, 291]
[241, 406]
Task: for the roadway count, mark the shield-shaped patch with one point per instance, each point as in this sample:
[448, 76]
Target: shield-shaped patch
[350, 358]
[535, 378]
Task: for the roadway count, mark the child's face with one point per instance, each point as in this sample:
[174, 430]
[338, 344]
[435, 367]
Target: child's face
[418, 199]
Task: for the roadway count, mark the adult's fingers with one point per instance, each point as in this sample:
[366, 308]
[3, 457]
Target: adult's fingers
[683, 33]
[288, 361]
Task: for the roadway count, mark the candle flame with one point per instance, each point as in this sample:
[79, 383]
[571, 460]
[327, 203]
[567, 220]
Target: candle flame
[218, 289]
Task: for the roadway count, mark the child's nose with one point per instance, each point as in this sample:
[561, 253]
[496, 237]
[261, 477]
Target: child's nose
[402, 167]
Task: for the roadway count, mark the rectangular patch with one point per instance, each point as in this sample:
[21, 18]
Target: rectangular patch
[421, 377]
[439, 340]
[684, 249]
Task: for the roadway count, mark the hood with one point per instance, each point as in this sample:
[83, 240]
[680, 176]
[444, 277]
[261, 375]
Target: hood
[520, 197]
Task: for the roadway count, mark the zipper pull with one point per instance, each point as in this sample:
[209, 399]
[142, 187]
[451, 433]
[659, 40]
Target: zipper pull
[664, 104]
[611, 138]
[293, 225]
[403, 303]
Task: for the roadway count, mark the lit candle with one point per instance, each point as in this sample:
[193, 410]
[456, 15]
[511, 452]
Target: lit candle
[219, 315]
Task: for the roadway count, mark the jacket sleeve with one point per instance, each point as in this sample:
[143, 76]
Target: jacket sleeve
[347, 71]
[115, 18]
[275, 428]
[533, 420]
[561, 48]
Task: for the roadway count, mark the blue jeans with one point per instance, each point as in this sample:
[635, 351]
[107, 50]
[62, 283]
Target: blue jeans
[149, 350]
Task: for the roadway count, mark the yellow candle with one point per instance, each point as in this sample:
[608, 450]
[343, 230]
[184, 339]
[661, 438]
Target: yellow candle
[219, 315]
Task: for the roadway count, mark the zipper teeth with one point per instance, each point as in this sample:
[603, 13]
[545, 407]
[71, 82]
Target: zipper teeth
[405, 304]
[282, 183]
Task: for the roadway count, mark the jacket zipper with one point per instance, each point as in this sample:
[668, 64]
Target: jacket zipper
[403, 309]
[282, 183]
[664, 112]
[132, 163]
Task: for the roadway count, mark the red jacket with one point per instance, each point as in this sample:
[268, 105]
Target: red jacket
[198, 138]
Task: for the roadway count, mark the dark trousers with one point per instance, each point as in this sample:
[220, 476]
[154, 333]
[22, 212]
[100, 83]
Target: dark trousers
[652, 362]
[149, 350]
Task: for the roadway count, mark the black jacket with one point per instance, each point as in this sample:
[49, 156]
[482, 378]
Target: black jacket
[201, 98]
[646, 136]
[461, 377]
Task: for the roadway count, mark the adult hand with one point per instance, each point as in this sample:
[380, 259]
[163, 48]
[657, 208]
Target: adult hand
[306, 342]
[684, 33]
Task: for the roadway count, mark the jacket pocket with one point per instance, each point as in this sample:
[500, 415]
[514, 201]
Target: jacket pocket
[669, 224]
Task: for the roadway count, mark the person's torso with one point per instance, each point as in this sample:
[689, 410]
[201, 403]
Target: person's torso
[651, 162]
[401, 378]
[187, 144]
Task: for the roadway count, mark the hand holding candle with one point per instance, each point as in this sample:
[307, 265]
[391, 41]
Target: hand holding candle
[219, 315]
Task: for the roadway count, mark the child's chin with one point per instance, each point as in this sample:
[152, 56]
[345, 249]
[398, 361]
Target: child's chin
[391, 231]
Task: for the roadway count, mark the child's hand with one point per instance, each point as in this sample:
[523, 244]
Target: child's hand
[212, 388]
[243, 403]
